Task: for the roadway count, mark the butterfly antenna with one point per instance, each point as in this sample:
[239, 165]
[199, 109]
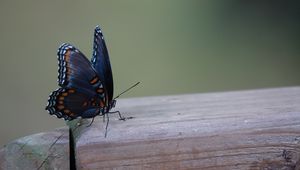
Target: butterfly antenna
[127, 90]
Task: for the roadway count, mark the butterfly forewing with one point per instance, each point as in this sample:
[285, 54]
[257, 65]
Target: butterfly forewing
[101, 63]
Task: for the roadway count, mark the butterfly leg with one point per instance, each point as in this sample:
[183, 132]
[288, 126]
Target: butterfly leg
[107, 117]
[121, 117]
[91, 122]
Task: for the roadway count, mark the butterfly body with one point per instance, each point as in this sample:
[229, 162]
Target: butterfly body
[86, 88]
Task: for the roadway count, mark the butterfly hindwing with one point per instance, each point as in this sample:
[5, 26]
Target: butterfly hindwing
[101, 63]
[68, 103]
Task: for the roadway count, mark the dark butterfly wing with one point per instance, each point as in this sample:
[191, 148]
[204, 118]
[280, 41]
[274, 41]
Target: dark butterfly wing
[101, 63]
[67, 103]
[74, 70]
[81, 91]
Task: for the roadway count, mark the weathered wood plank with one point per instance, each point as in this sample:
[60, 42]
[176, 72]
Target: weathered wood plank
[49, 150]
[255, 129]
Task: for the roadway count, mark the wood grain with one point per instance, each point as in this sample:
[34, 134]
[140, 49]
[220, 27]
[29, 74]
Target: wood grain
[48, 150]
[254, 129]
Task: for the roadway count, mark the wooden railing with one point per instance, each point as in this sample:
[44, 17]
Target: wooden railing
[254, 129]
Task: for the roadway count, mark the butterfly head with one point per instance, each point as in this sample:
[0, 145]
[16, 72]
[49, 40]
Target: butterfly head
[111, 105]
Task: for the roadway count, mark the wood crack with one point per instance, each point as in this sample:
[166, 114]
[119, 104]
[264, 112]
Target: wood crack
[45, 160]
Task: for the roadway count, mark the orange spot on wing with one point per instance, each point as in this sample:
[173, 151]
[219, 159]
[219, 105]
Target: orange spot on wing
[60, 107]
[84, 104]
[100, 90]
[67, 55]
[71, 91]
[64, 94]
[61, 98]
[68, 71]
[60, 102]
[101, 103]
[67, 111]
[72, 114]
[94, 80]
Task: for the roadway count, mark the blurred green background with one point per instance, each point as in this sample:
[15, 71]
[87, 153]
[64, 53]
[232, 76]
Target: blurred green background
[171, 46]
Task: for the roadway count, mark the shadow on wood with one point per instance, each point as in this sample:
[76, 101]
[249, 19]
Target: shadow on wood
[254, 129]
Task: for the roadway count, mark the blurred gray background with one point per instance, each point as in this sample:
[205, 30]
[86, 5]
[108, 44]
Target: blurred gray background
[172, 47]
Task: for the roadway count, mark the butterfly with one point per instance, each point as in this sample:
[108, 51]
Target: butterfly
[86, 87]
